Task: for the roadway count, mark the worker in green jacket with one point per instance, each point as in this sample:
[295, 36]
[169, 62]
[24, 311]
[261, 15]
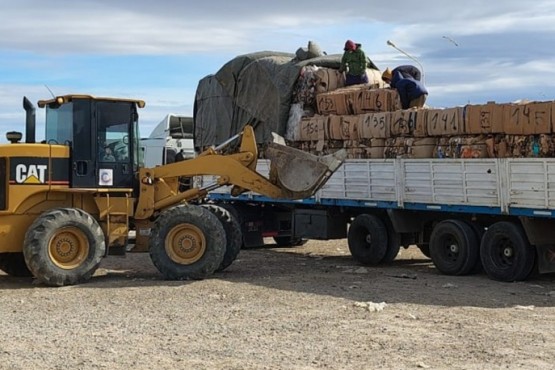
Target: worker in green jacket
[353, 63]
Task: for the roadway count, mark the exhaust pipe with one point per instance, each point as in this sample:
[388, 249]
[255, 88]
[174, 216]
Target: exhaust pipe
[30, 120]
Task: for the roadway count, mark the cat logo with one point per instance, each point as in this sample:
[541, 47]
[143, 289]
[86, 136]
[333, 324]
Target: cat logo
[30, 173]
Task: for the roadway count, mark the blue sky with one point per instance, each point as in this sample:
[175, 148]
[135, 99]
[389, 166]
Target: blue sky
[471, 51]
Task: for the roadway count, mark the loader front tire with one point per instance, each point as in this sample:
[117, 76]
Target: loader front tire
[187, 242]
[13, 264]
[64, 246]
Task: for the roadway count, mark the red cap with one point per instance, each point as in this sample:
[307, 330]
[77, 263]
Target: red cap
[350, 45]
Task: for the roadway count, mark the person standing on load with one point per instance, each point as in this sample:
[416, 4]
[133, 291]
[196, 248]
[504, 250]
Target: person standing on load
[406, 79]
[353, 63]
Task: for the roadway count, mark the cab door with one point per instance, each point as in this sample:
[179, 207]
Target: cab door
[114, 122]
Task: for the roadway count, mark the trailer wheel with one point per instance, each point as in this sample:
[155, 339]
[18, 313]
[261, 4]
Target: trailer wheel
[506, 253]
[187, 242]
[287, 241]
[14, 264]
[64, 246]
[233, 235]
[367, 239]
[454, 247]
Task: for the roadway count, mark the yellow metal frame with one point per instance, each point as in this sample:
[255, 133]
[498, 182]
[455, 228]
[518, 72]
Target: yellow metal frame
[158, 186]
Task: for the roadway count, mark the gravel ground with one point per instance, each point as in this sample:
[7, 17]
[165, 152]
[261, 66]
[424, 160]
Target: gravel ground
[310, 307]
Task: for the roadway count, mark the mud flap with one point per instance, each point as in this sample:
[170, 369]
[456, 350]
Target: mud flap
[546, 258]
[298, 173]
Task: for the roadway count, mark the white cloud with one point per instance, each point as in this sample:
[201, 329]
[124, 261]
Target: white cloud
[503, 50]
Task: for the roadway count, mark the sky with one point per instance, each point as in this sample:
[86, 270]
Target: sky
[470, 51]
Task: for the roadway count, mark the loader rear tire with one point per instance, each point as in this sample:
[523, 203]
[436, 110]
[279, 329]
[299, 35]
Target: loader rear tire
[367, 239]
[64, 246]
[187, 242]
[13, 264]
[233, 235]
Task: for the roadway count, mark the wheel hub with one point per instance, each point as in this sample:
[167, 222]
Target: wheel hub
[368, 238]
[68, 248]
[185, 244]
[508, 252]
[454, 248]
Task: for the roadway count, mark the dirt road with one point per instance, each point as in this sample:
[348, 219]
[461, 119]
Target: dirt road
[311, 307]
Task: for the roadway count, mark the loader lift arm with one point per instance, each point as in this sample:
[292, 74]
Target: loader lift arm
[158, 190]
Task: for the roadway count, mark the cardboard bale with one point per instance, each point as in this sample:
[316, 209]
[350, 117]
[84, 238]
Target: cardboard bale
[334, 127]
[527, 119]
[484, 118]
[547, 145]
[313, 128]
[497, 146]
[511, 119]
[336, 79]
[349, 127]
[421, 147]
[343, 127]
[445, 122]
[395, 148]
[442, 149]
[540, 146]
[328, 79]
[374, 148]
[517, 146]
[334, 102]
[469, 146]
[375, 125]
[536, 118]
[353, 148]
[529, 146]
[374, 100]
[403, 122]
[421, 123]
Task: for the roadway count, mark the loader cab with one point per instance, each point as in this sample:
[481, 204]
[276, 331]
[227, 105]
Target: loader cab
[103, 135]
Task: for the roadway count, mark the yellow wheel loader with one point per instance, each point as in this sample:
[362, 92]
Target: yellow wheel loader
[72, 199]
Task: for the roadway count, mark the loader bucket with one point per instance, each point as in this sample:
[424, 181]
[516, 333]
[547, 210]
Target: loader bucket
[300, 174]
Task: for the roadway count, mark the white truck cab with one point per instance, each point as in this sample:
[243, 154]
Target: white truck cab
[173, 135]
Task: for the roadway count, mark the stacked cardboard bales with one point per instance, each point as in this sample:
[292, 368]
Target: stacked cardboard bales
[369, 123]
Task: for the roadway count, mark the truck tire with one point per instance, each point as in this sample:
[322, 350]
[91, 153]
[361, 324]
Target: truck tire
[13, 264]
[506, 253]
[187, 242]
[454, 247]
[64, 246]
[233, 235]
[367, 239]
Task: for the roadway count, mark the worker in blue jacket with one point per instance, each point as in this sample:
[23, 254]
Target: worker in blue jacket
[406, 81]
[406, 71]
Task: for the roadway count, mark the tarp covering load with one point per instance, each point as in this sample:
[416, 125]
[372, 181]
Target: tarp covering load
[254, 89]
